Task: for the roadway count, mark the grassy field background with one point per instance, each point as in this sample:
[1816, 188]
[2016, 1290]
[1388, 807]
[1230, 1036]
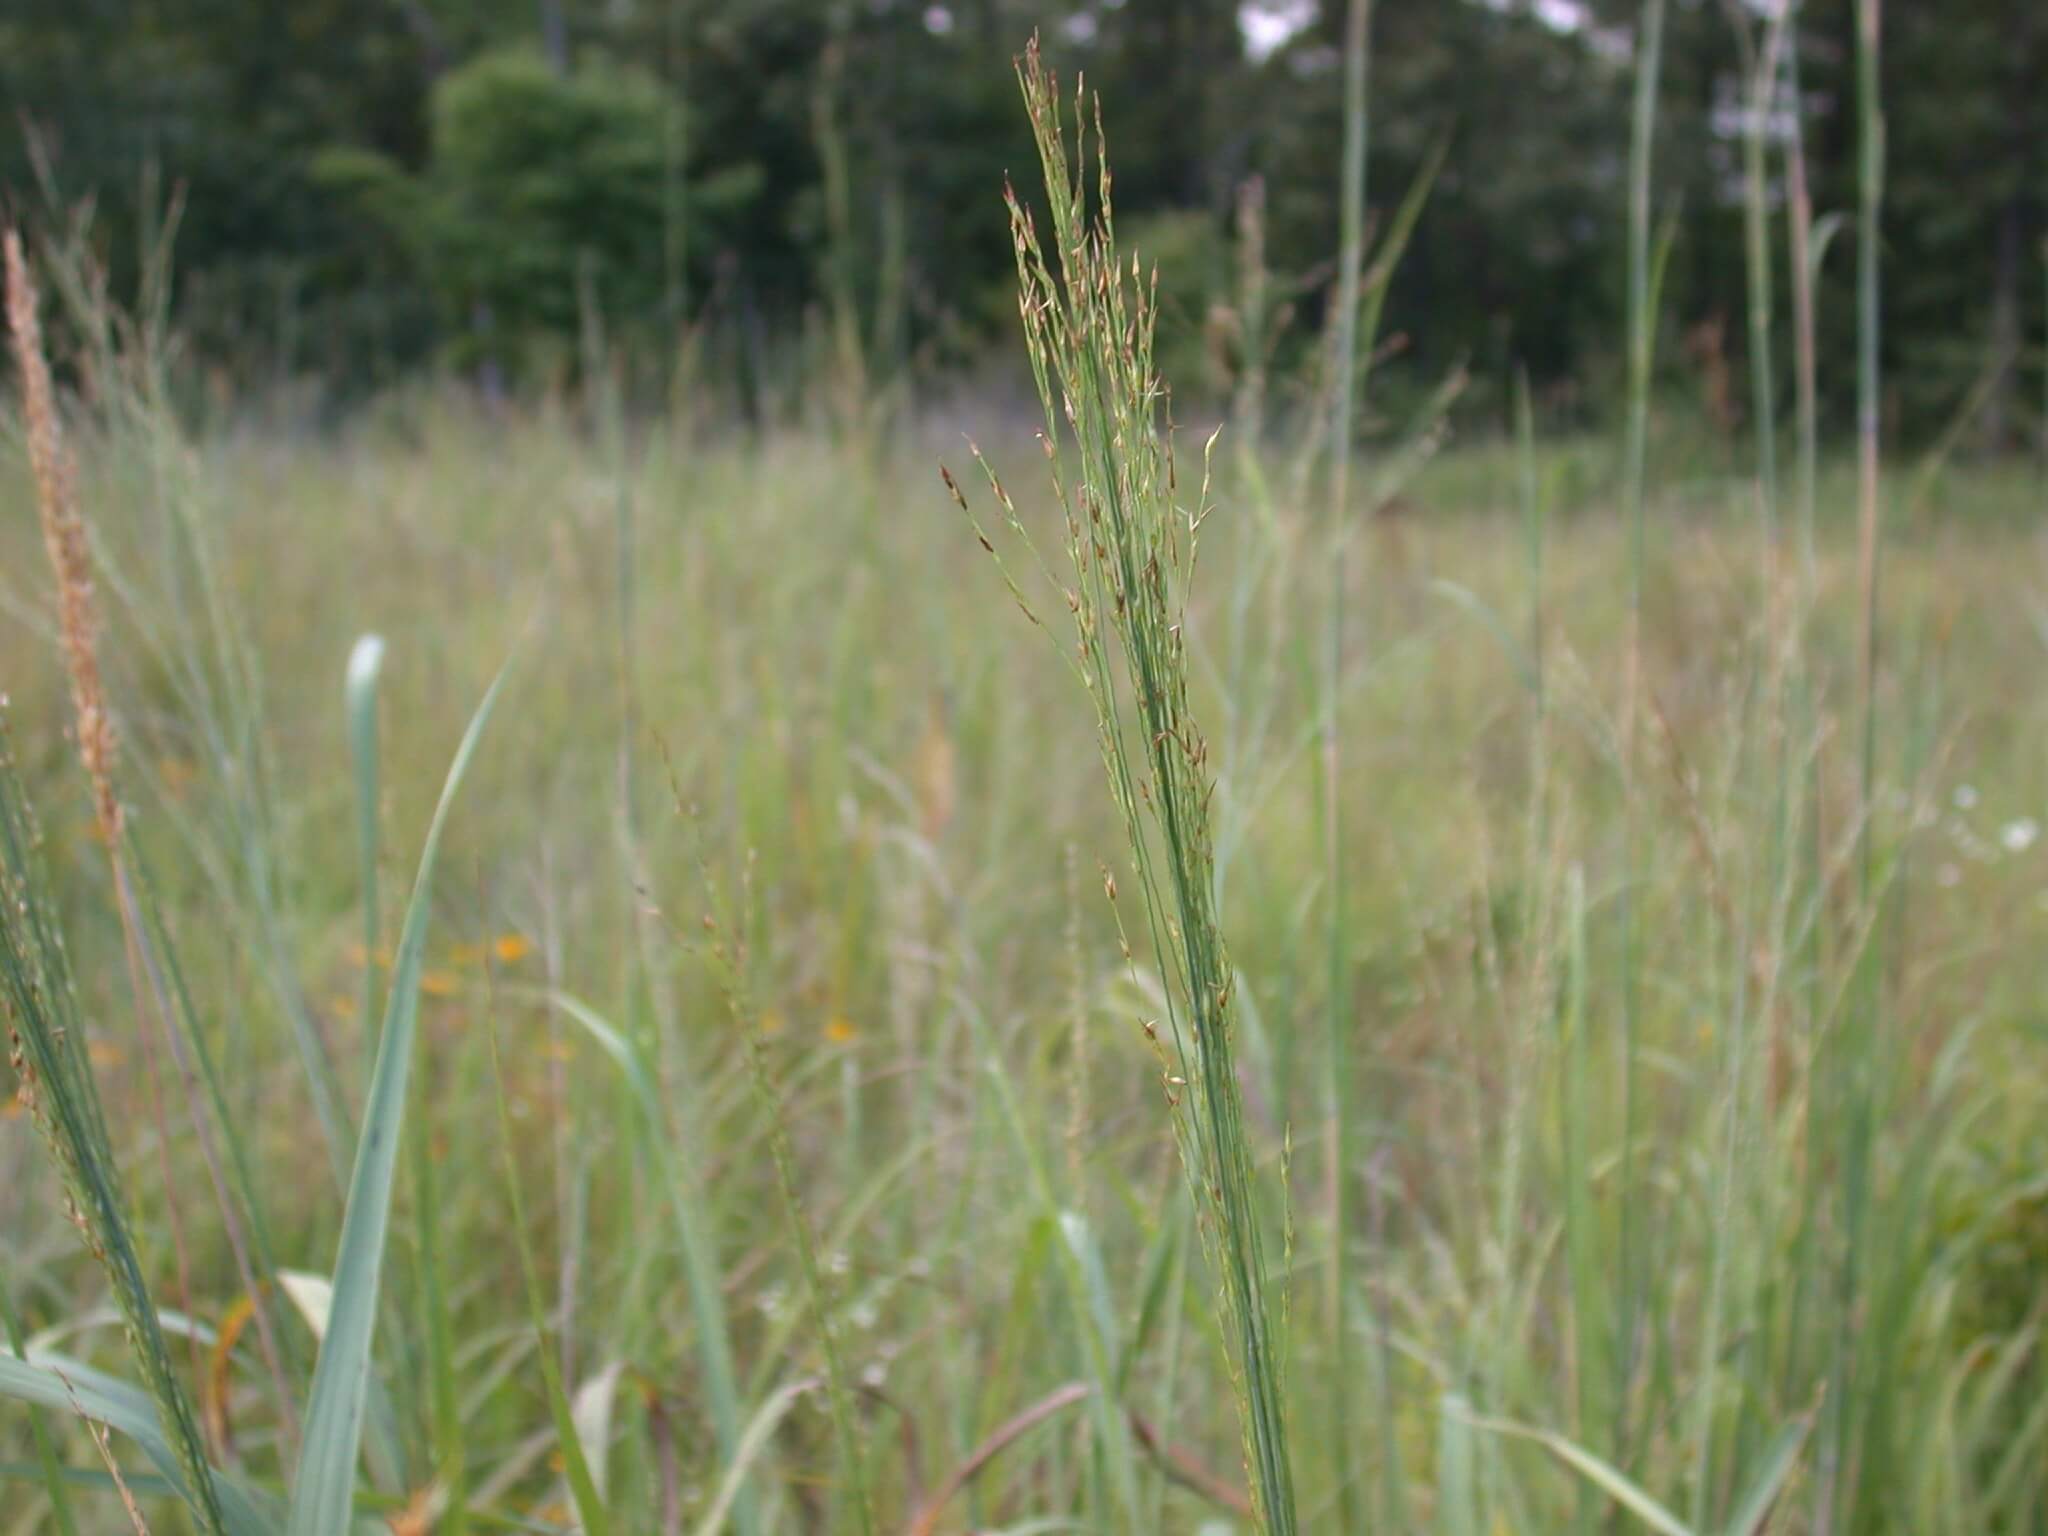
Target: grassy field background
[773, 729]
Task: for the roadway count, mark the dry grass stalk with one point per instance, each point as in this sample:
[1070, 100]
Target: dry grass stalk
[56, 477]
[64, 539]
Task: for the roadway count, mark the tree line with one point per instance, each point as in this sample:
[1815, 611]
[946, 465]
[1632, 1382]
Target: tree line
[364, 188]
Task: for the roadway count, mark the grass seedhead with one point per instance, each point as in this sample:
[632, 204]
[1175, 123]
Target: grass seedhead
[1088, 318]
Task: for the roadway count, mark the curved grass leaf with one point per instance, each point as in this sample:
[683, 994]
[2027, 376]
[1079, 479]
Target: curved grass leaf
[1600, 1474]
[758, 1431]
[1771, 1476]
[322, 1493]
[700, 1266]
[128, 1410]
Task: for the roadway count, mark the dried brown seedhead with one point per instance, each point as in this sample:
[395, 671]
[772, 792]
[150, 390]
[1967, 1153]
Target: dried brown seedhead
[56, 478]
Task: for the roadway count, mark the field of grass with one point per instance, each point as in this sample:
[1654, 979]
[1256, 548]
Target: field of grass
[1539, 1029]
[820, 756]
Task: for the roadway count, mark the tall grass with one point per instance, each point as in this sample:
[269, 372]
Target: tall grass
[1703, 1191]
[1132, 546]
[49, 1038]
[1612, 1356]
[1805, 245]
[1869, 243]
[1338, 1021]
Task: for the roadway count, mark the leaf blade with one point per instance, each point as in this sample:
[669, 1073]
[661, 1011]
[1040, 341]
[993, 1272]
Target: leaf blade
[323, 1491]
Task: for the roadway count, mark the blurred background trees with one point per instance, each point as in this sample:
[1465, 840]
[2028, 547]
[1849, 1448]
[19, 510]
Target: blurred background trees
[807, 185]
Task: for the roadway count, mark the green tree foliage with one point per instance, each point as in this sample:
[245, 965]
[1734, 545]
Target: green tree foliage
[367, 186]
[539, 189]
[1969, 174]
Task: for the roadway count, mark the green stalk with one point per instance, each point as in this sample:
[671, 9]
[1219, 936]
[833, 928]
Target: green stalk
[823, 1307]
[255, 1263]
[1641, 341]
[1775, 790]
[1799, 230]
[1723, 1220]
[590, 1511]
[1855, 1108]
[1806, 882]
[1113, 1456]
[40, 1003]
[324, 1487]
[1513, 1130]
[1351, 249]
[1757, 260]
[1532, 530]
[667, 1153]
[1132, 546]
[1641, 323]
[1870, 179]
[1351, 259]
[1583, 1269]
[444, 1416]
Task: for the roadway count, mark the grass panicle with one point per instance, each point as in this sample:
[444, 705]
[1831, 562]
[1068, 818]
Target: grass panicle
[1088, 323]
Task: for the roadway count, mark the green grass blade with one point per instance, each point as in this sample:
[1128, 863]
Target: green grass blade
[1155, 1290]
[1600, 1474]
[436, 1321]
[1087, 1255]
[759, 1428]
[359, 693]
[590, 1510]
[700, 1266]
[149, 1485]
[1457, 1492]
[323, 1490]
[128, 1411]
[1771, 1476]
[47, 1468]
[48, 1048]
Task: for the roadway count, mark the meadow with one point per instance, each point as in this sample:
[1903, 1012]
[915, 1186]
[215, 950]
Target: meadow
[1631, 1114]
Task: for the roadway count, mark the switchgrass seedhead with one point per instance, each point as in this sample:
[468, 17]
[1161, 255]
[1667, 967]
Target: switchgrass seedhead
[1088, 318]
